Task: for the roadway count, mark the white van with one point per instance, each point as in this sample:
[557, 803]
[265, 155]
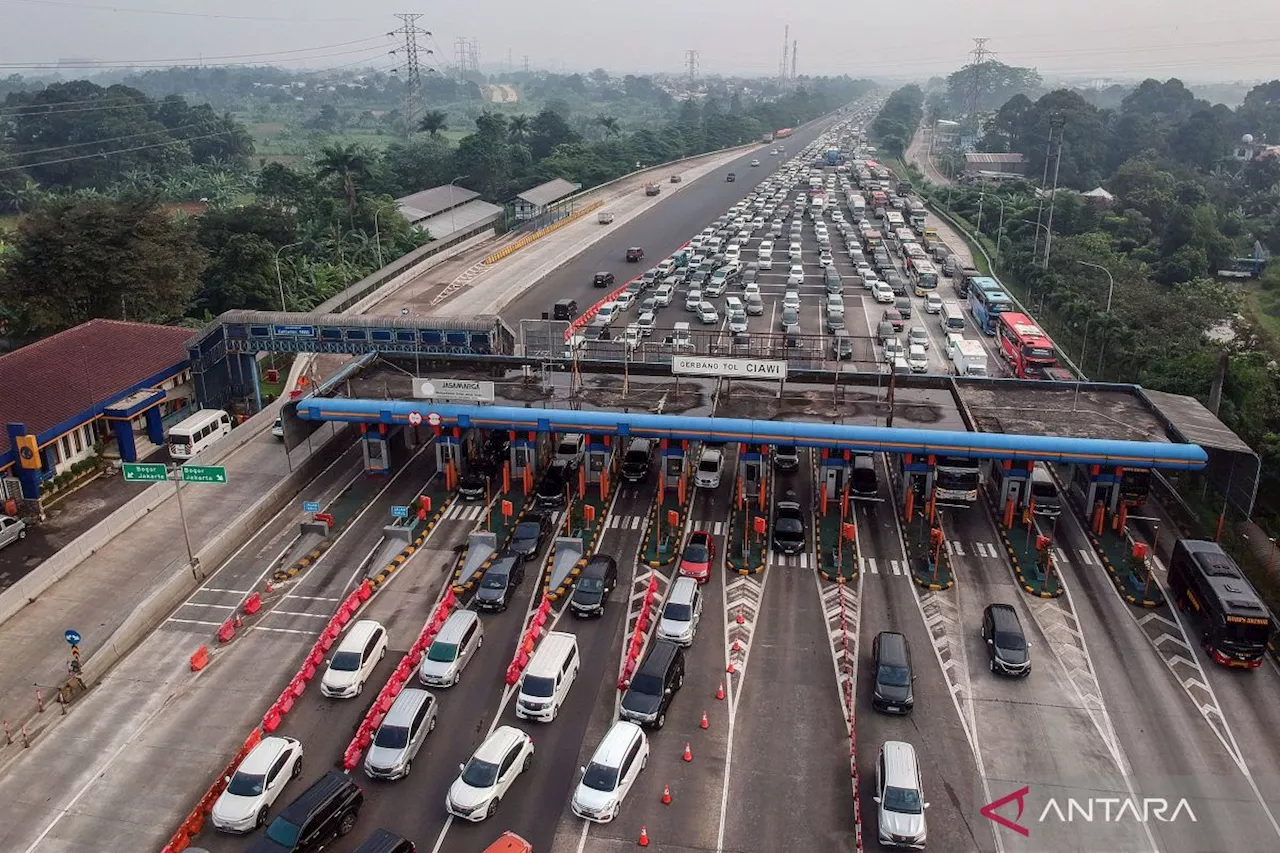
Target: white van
[546, 681]
[662, 295]
[680, 614]
[952, 318]
[681, 337]
[459, 639]
[192, 435]
[614, 768]
[352, 663]
[899, 796]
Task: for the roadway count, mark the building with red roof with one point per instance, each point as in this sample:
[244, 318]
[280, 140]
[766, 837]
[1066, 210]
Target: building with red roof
[104, 381]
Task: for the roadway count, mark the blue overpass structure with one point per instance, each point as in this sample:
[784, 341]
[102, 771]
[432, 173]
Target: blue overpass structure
[859, 439]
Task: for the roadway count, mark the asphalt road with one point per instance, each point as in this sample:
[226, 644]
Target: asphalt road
[659, 232]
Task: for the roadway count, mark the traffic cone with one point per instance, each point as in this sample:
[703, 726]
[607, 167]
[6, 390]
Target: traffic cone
[720, 691]
[736, 646]
[704, 724]
[666, 795]
[729, 669]
[644, 837]
[688, 753]
[741, 620]
[268, 586]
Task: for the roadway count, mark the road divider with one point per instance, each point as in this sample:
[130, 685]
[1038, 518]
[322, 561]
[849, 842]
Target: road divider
[580, 322]
[528, 642]
[636, 645]
[403, 672]
[534, 236]
[1030, 554]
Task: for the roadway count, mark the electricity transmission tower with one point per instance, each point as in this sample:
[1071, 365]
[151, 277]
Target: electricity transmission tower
[786, 39]
[980, 56]
[691, 63]
[794, 45]
[412, 75]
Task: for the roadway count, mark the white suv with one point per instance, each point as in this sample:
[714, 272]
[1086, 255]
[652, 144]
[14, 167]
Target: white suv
[489, 775]
[614, 768]
[710, 463]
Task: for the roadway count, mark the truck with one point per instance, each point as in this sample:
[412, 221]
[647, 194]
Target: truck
[969, 358]
[652, 189]
[766, 137]
[833, 156]
[782, 133]
[604, 217]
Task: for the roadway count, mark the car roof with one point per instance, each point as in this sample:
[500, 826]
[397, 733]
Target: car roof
[405, 706]
[359, 634]
[682, 590]
[597, 565]
[455, 625]
[320, 792]
[495, 746]
[699, 534]
[262, 756]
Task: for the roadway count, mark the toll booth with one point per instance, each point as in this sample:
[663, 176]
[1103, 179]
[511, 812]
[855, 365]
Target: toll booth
[375, 442]
[1092, 484]
[528, 452]
[833, 479]
[916, 480]
[449, 454]
[675, 467]
[1012, 479]
[753, 474]
[599, 461]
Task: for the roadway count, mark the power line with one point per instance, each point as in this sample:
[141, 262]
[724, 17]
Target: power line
[91, 7]
[104, 154]
[410, 30]
[51, 150]
[168, 63]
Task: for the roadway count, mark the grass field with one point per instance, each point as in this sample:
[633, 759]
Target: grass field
[1262, 306]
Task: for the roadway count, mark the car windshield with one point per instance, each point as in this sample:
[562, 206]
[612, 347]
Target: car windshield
[647, 683]
[494, 581]
[526, 530]
[537, 685]
[894, 676]
[590, 584]
[696, 552]
[283, 833]
[789, 525]
[709, 464]
[902, 800]
[345, 662]
[246, 785]
[1012, 642]
[391, 737]
[678, 612]
[442, 652]
[600, 777]
[480, 774]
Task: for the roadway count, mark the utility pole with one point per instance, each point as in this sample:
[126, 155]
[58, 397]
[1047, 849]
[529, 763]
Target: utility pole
[510, 67]
[786, 40]
[980, 56]
[1044, 182]
[793, 59]
[691, 63]
[526, 63]
[1056, 122]
[460, 56]
[410, 31]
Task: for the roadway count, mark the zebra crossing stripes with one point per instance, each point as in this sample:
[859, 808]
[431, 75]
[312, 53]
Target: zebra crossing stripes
[715, 528]
[887, 567]
[803, 560]
[624, 522]
[466, 512]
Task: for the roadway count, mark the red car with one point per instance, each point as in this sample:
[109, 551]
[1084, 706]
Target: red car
[699, 551]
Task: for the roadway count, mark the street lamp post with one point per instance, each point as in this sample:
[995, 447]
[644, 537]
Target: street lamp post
[377, 238]
[1084, 340]
[999, 230]
[1111, 286]
[452, 218]
[279, 279]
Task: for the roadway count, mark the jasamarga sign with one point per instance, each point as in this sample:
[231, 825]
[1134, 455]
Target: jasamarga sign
[464, 390]
[731, 368]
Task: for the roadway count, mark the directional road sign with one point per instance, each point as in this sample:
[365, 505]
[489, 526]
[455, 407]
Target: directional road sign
[203, 474]
[140, 472]
[72, 637]
[311, 506]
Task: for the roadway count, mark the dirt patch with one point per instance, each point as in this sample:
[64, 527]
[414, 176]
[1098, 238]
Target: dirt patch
[822, 405]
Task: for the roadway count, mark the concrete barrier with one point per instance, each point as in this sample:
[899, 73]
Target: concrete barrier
[148, 615]
[75, 552]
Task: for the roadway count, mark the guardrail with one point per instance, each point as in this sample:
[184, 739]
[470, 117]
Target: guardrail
[534, 236]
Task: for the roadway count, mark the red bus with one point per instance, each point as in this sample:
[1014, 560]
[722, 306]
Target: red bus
[782, 133]
[1024, 345]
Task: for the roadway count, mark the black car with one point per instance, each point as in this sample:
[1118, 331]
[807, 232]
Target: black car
[638, 459]
[896, 282]
[383, 841]
[635, 254]
[599, 577]
[323, 812]
[603, 279]
[655, 683]
[499, 582]
[527, 538]
[891, 667]
[1006, 644]
[788, 525]
[474, 484]
[786, 457]
[498, 446]
[552, 488]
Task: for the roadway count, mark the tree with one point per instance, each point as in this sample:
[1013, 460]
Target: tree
[486, 156]
[417, 165]
[547, 130]
[434, 122]
[608, 124]
[518, 129]
[72, 262]
[348, 163]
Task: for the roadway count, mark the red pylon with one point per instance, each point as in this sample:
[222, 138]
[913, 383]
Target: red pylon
[644, 837]
[666, 795]
[704, 724]
[268, 586]
[736, 646]
[688, 752]
[720, 691]
[729, 669]
[741, 620]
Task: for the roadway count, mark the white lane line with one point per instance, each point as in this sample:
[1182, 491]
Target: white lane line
[287, 631]
[315, 597]
[215, 606]
[296, 613]
[227, 591]
[193, 622]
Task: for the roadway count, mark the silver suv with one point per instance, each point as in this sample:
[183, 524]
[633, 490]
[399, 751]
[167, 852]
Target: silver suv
[11, 530]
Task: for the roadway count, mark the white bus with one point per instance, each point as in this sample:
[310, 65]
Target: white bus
[194, 434]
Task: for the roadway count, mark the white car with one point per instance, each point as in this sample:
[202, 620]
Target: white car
[352, 663]
[795, 251]
[707, 475]
[917, 359]
[624, 300]
[693, 300]
[882, 293]
[791, 299]
[607, 313]
[795, 275]
[752, 289]
[766, 246]
[755, 162]
[646, 323]
[256, 784]
[932, 303]
[488, 776]
[765, 260]
[738, 322]
[825, 258]
[707, 313]
[613, 770]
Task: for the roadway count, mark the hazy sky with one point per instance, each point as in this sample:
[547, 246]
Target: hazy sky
[1160, 38]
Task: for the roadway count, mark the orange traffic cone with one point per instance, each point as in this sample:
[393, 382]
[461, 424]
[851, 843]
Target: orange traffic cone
[720, 691]
[736, 646]
[666, 795]
[688, 753]
[729, 669]
[644, 837]
[704, 724]
[268, 586]
[740, 618]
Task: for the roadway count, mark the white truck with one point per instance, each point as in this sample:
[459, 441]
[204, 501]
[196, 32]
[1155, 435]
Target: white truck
[968, 357]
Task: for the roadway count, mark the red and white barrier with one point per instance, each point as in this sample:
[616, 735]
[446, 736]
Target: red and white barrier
[525, 650]
[637, 636]
[403, 672]
[582, 320]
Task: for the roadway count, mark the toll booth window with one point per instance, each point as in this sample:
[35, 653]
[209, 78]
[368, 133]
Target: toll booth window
[374, 450]
[432, 338]
[259, 331]
[675, 464]
[357, 335]
[456, 339]
[522, 457]
[237, 331]
[405, 337]
[597, 461]
[382, 335]
[330, 334]
[480, 344]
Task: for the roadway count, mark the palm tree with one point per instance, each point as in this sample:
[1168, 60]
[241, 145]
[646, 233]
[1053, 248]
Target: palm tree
[518, 128]
[26, 196]
[433, 123]
[346, 162]
[609, 124]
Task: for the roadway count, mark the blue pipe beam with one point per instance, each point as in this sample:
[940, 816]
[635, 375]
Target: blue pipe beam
[1087, 451]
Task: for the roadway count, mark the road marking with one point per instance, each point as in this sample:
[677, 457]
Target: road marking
[1087, 557]
[316, 597]
[193, 622]
[297, 613]
[286, 631]
[895, 566]
[227, 591]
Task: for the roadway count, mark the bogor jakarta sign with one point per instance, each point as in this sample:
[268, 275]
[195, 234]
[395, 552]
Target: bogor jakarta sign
[732, 368]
